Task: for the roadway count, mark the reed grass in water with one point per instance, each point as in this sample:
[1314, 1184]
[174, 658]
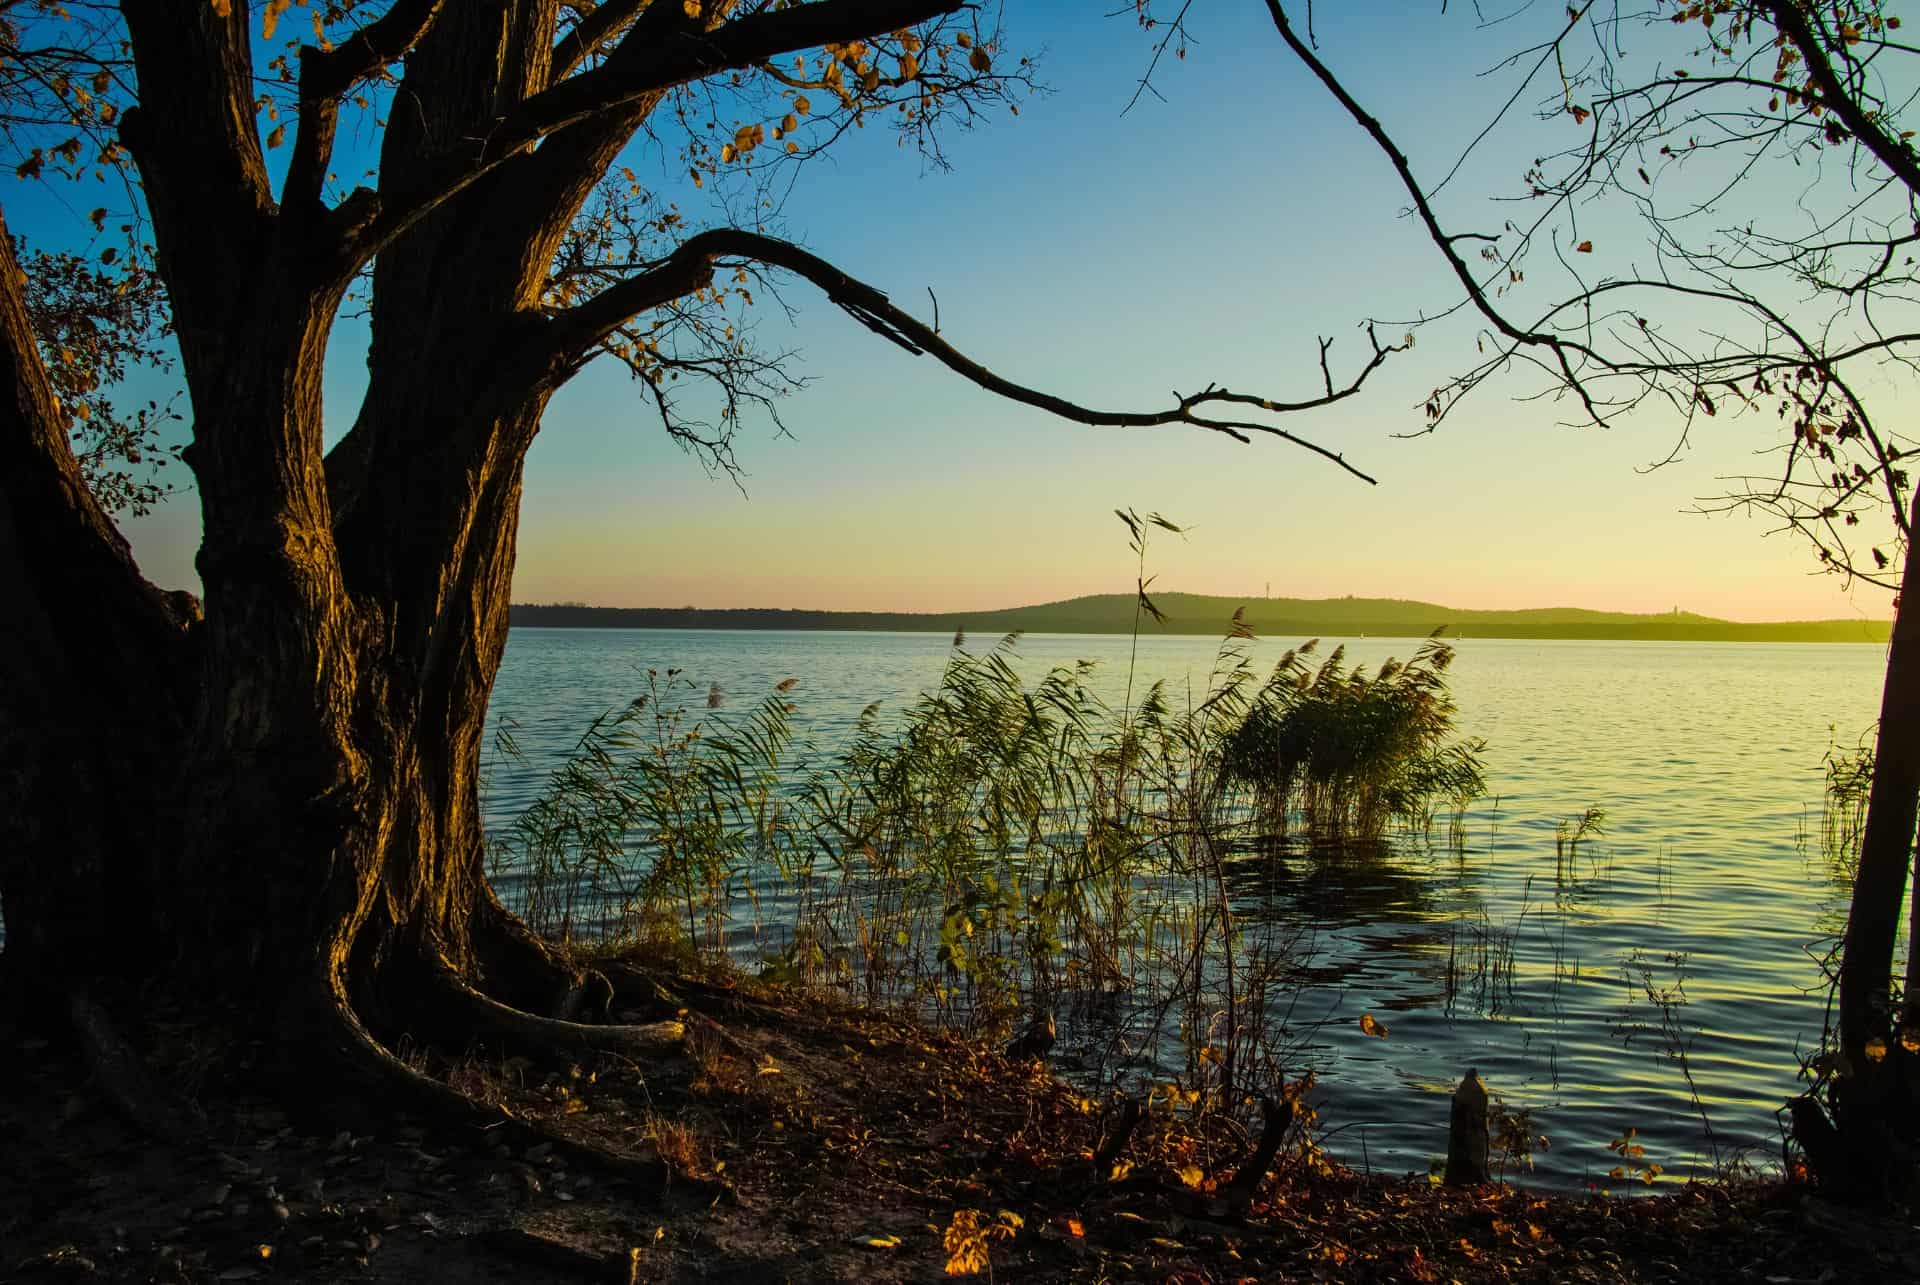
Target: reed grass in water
[1000, 848]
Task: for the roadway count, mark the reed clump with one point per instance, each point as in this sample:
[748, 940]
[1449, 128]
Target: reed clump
[1347, 752]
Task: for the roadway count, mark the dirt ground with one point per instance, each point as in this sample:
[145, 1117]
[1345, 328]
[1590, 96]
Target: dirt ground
[803, 1143]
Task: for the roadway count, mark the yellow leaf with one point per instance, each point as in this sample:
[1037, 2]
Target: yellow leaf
[877, 1241]
[276, 138]
[692, 8]
[726, 154]
[222, 8]
[789, 122]
[1192, 1176]
[1876, 1049]
[270, 17]
[1368, 1026]
[801, 105]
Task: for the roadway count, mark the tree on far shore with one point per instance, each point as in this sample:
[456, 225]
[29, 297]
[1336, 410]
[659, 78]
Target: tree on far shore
[268, 798]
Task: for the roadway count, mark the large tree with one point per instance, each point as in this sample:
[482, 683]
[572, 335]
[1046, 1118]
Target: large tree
[1729, 227]
[270, 796]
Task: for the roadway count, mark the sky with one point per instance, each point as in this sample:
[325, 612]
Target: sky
[1209, 235]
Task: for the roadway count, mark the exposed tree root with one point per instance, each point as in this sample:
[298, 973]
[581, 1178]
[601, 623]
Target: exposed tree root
[409, 1090]
[528, 972]
[545, 1036]
[634, 984]
[122, 1079]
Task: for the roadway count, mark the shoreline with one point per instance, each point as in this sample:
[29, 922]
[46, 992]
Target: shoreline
[737, 621]
[803, 1140]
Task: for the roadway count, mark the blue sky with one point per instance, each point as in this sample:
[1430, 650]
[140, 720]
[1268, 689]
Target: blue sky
[1207, 236]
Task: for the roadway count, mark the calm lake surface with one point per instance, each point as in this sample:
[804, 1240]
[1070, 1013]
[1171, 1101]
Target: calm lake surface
[1707, 759]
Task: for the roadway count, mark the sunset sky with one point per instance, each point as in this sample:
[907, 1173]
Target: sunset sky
[1113, 258]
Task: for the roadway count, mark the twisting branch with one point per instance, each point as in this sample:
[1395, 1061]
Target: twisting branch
[576, 330]
[1563, 351]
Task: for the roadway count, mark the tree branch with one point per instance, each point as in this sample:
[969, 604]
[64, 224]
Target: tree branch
[1563, 350]
[193, 133]
[576, 330]
[325, 76]
[634, 71]
[1896, 156]
[591, 32]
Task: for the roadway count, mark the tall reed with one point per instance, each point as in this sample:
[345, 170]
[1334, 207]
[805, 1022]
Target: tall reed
[999, 846]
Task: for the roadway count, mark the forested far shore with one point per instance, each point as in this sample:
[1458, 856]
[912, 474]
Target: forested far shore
[1202, 615]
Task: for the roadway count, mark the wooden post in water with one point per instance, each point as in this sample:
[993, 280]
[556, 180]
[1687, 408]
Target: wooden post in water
[1469, 1142]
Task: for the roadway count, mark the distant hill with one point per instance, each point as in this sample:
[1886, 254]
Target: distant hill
[1197, 614]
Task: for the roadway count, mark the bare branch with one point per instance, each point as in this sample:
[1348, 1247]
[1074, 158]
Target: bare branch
[689, 267]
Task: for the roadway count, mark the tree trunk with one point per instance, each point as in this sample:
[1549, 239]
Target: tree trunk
[1886, 849]
[1874, 1100]
[96, 690]
[311, 746]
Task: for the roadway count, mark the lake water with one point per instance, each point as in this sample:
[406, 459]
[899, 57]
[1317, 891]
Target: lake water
[1707, 759]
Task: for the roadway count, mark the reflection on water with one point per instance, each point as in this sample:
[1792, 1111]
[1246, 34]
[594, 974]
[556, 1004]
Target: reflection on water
[1486, 952]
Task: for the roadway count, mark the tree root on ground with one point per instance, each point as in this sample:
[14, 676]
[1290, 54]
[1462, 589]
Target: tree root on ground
[633, 983]
[488, 1018]
[415, 1092]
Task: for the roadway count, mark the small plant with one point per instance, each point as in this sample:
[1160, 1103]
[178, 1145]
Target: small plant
[969, 1238]
[675, 1143]
[1843, 818]
[1514, 1137]
[1634, 1165]
[1669, 1031]
[1568, 834]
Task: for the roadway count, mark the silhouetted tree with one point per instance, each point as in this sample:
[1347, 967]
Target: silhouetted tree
[271, 796]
